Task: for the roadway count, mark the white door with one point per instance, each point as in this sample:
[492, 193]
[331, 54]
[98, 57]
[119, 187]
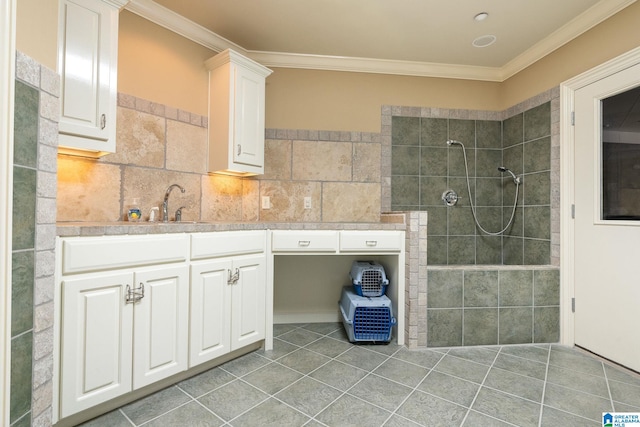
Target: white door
[161, 322]
[96, 340]
[210, 329]
[248, 296]
[607, 267]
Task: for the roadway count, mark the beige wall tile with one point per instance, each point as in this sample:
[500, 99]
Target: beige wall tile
[250, 200]
[221, 198]
[366, 162]
[139, 139]
[186, 147]
[88, 190]
[287, 201]
[350, 202]
[150, 185]
[322, 160]
[277, 159]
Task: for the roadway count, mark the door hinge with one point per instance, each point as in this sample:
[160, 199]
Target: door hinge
[573, 305]
[573, 118]
[573, 211]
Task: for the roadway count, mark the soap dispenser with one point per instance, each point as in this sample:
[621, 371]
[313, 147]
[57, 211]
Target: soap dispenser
[134, 213]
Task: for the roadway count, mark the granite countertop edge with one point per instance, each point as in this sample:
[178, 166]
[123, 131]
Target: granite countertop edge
[70, 229]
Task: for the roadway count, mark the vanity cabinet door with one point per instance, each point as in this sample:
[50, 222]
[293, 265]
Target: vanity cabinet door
[210, 333]
[248, 297]
[161, 323]
[96, 340]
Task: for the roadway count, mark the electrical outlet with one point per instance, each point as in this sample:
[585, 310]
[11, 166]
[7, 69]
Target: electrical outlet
[266, 202]
[307, 202]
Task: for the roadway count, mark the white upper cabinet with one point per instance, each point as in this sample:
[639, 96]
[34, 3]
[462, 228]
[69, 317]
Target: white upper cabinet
[87, 63]
[236, 114]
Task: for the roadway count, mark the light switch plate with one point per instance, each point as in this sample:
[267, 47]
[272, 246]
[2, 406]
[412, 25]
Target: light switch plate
[307, 202]
[266, 202]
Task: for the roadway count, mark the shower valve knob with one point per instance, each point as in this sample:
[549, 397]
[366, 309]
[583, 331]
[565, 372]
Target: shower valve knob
[450, 197]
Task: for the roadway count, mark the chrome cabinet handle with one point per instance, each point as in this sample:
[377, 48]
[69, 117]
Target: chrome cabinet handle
[371, 242]
[134, 295]
[233, 278]
[239, 149]
[304, 242]
[103, 121]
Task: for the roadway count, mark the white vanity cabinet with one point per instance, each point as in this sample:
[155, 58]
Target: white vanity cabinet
[87, 63]
[123, 320]
[236, 114]
[228, 292]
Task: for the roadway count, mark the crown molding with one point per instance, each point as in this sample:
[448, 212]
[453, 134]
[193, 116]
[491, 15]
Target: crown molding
[160, 15]
[574, 28]
[170, 20]
[370, 65]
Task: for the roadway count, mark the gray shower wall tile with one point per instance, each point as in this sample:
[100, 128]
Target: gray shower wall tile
[437, 250]
[488, 134]
[537, 122]
[513, 131]
[463, 131]
[433, 161]
[22, 280]
[444, 327]
[546, 324]
[512, 250]
[461, 250]
[437, 221]
[537, 155]
[459, 221]
[536, 252]
[546, 290]
[488, 192]
[480, 289]
[405, 160]
[431, 189]
[516, 325]
[25, 127]
[434, 132]
[537, 222]
[445, 289]
[516, 288]
[480, 326]
[456, 165]
[405, 130]
[488, 250]
[21, 374]
[405, 191]
[24, 208]
[536, 189]
[487, 162]
[490, 218]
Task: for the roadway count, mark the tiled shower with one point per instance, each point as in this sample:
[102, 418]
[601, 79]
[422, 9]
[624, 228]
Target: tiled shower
[481, 289]
[423, 167]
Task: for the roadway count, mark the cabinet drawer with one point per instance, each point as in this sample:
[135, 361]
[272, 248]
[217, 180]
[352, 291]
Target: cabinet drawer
[83, 254]
[304, 241]
[223, 243]
[371, 241]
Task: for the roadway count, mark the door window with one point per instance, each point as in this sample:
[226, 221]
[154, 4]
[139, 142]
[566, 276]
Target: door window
[621, 156]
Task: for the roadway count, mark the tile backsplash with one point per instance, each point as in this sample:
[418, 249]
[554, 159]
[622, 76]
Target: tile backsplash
[158, 145]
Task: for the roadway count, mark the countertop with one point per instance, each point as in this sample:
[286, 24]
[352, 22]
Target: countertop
[394, 221]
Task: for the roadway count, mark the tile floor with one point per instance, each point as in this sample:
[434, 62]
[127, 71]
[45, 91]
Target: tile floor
[315, 377]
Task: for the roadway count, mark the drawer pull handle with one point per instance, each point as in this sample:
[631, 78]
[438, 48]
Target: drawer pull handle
[372, 242]
[304, 242]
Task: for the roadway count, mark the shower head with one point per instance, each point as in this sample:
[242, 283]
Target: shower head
[516, 179]
[453, 142]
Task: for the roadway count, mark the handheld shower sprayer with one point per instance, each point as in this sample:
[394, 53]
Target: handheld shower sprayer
[516, 179]
[453, 142]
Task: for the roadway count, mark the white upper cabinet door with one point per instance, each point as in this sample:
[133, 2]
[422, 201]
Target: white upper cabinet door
[87, 63]
[161, 323]
[236, 114]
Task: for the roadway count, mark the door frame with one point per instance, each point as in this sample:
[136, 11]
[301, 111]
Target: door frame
[567, 181]
[7, 84]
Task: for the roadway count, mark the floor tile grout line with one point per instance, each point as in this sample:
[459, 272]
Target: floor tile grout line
[473, 401]
[544, 387]
[126, 417]
[414, 389]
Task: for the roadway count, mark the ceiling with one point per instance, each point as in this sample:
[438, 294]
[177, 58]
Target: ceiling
[412, 37]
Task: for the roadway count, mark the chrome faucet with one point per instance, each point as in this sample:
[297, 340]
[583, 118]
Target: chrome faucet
[165, 203]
